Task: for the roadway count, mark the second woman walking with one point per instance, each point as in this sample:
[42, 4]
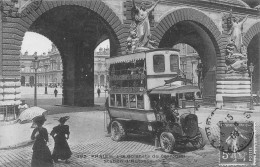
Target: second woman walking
[61, 134]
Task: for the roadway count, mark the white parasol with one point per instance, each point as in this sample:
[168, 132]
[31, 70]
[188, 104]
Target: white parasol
[30, 113]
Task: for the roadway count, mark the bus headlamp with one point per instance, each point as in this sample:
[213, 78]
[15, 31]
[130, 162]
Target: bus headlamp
[150, 128]
[150, 117]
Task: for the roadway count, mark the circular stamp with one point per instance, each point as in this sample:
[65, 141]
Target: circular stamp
[229, 132]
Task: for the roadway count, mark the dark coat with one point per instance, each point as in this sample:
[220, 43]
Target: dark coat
[41, 154]
[61, 147]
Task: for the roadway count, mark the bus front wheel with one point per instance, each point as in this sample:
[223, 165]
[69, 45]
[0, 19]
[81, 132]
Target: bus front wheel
[167, 142]
[117, 131]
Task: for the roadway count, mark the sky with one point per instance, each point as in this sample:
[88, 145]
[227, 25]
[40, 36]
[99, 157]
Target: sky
[34, 42]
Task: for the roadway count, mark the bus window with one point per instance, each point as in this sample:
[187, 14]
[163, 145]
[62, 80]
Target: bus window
[125, 100]
[174, 63]
[112, 100]
[132, 101]
[140, 101]
[198, 94]
[180, 95]
[118, 100]
[189, 96]
[158, 63]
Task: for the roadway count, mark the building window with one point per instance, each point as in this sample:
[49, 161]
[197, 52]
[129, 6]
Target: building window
[158, 63]
[140, 101]
[112, 100]
[125, 100]
[132, 101]
[174, 63]
[118, 100]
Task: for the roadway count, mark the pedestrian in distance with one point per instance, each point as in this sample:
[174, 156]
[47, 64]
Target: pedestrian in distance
[41, 153]
[98, 92]
[55, 92]
[60, 135]
[23, 106]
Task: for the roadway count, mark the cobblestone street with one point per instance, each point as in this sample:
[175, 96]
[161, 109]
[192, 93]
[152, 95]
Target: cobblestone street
[105, 152]
[91, 147]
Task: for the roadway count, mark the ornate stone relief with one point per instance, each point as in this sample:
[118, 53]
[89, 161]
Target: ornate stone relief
[139, 34]
[15, 8]
[236, 53]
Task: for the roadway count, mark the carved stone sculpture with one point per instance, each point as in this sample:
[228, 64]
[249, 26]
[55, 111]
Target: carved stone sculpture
[140, 35]
[236, 55]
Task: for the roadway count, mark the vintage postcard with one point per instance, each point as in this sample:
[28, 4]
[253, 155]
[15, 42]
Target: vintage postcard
[129, 83]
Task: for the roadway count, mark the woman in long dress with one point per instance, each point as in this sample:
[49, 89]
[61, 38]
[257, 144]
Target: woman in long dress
[61, 134]
[41, 154]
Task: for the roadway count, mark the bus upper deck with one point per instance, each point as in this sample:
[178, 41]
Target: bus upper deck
[155, 66]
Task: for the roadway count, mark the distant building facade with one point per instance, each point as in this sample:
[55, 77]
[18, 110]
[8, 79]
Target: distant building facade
[189, 60]
[49, 72]
[101, 67]
[50, 68]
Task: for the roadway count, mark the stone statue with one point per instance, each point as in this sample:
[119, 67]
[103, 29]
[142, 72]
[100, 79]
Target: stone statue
[236, 56]
[235, 33]
[140, 34]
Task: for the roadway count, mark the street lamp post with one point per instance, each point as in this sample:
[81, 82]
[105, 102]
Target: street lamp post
[192, 74]
[35, 67]
[53, 68]
[183, 69]
[106, 83]
[46, 84]
[251, 70]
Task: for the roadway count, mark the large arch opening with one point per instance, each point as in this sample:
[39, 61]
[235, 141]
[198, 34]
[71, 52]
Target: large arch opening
[197, 36]
[102, 53]
[49, 69]
[253, 52]
[76, 31]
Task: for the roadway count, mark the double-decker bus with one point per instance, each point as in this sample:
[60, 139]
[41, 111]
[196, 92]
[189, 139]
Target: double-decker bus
[142, 85]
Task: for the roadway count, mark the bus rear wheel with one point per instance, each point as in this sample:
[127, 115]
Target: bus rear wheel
[117, 131]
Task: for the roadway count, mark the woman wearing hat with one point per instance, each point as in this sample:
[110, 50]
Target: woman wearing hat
[41, 154]
[60, 134]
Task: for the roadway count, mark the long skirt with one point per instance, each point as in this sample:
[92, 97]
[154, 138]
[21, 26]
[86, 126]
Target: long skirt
[42, 157]
[61, 150]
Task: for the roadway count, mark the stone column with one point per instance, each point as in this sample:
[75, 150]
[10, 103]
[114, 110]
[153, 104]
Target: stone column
[68, 54]
[9, 65]
[257, 67]
[84, 88]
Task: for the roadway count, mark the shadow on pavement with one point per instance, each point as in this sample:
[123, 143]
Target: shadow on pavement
[140, 138]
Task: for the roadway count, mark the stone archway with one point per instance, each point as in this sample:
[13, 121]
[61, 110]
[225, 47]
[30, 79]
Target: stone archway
[75, 27]
[196, 29]
[252, 42]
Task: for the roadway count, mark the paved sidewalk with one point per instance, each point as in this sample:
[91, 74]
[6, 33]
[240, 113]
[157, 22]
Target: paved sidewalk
[17, 134]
